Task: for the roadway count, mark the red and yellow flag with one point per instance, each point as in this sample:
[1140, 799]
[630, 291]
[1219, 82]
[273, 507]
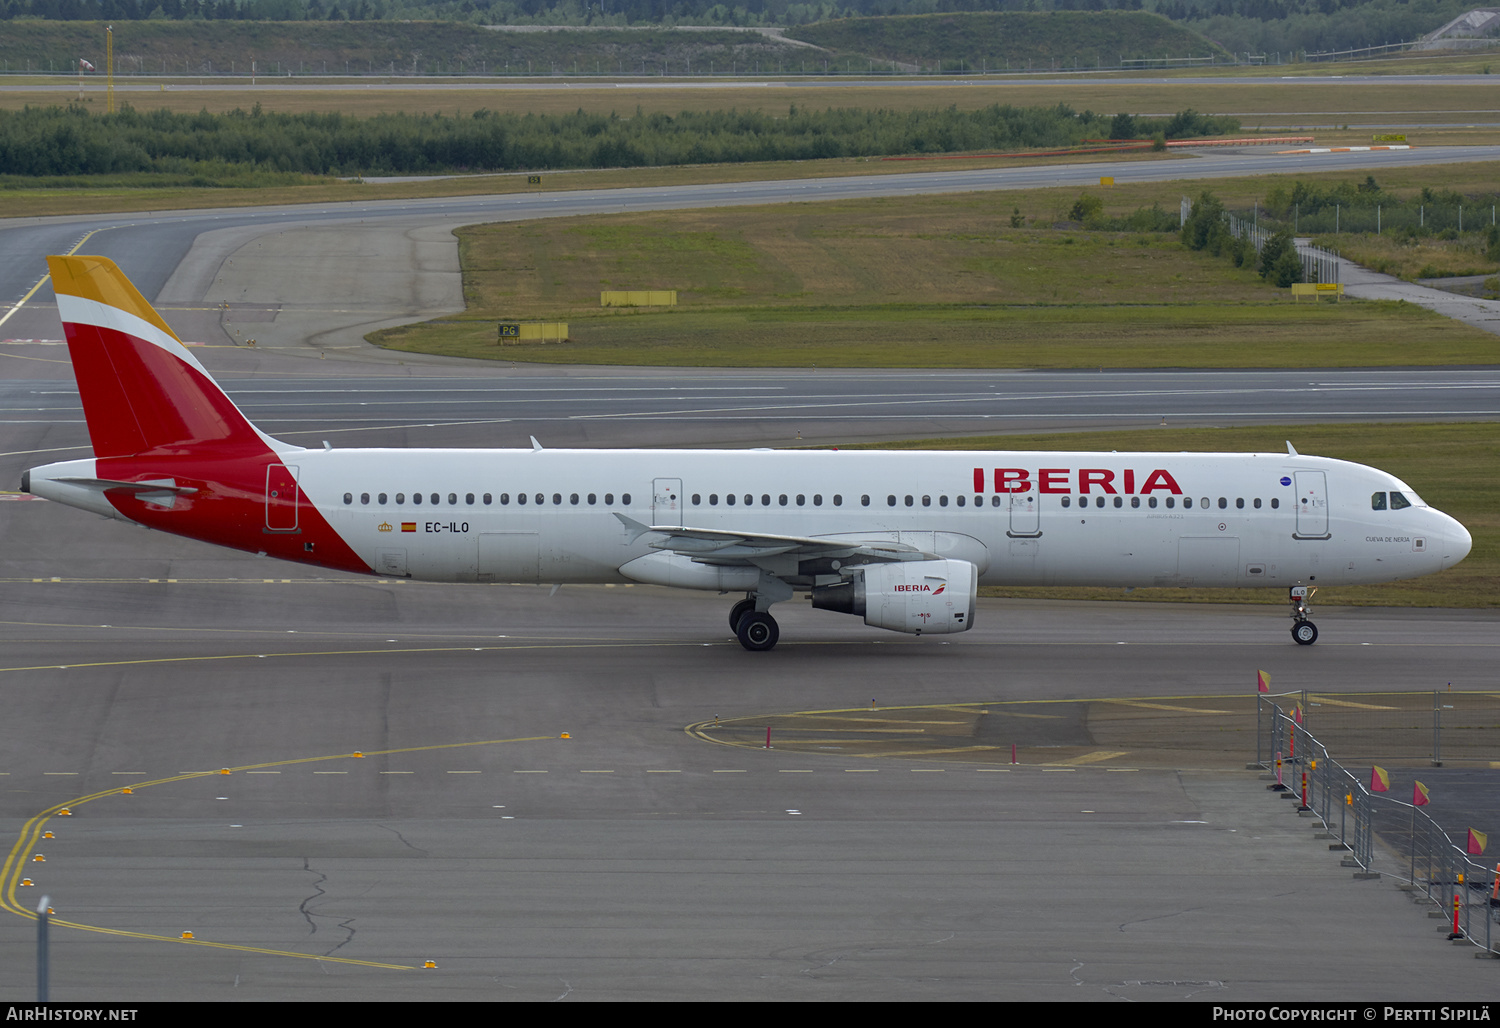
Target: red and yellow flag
[1476, 842]
[1379, 780]
[1418, 795]
[1262, 681]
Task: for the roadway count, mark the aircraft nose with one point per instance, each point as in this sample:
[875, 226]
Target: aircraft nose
[1456, 542]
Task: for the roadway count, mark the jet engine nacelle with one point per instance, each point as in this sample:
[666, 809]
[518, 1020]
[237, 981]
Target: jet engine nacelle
[920, 596]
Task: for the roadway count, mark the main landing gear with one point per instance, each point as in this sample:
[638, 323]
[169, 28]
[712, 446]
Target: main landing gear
[1303, 630]
[756, 629]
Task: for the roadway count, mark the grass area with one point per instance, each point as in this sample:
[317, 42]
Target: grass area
[1202, 335]
[1435, 103]
[1016, 40]
[932, 281]
[374, 48]
[1412, 259]
[1438, 461]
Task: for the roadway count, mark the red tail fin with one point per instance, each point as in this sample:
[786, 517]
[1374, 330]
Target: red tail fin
[143, 392]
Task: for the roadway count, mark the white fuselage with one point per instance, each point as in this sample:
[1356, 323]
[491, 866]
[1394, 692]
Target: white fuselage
[1083, 519]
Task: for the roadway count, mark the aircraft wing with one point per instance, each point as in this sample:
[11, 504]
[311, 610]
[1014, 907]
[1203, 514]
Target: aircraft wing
[718, 546]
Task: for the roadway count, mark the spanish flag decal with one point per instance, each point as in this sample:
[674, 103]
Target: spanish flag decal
[408, 526]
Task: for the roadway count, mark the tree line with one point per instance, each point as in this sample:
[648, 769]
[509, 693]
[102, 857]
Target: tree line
[58, 141]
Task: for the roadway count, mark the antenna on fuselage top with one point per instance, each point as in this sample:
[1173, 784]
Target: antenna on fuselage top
[1291, 451]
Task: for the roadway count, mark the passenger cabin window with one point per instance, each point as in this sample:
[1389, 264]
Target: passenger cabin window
[348, 498]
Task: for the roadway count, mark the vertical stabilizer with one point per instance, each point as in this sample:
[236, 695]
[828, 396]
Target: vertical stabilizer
[142, 391]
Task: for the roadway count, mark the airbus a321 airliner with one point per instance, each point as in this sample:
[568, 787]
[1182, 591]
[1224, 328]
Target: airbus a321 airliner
[900, 539]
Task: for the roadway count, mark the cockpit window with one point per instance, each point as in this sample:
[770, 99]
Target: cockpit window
[1399, 500]
[1377, 501]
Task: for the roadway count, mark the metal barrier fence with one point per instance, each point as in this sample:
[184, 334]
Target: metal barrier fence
[1318, 264]
[1383, 835]
[1410, 219]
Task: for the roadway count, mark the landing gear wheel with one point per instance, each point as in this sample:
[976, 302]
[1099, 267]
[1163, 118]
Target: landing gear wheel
[757, 631]
[738, 611]
[1305, 632]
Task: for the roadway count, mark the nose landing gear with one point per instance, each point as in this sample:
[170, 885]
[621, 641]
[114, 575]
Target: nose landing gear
[1303, 631]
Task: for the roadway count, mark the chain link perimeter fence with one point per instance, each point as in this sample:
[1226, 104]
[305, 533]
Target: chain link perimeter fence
[1383, 834]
